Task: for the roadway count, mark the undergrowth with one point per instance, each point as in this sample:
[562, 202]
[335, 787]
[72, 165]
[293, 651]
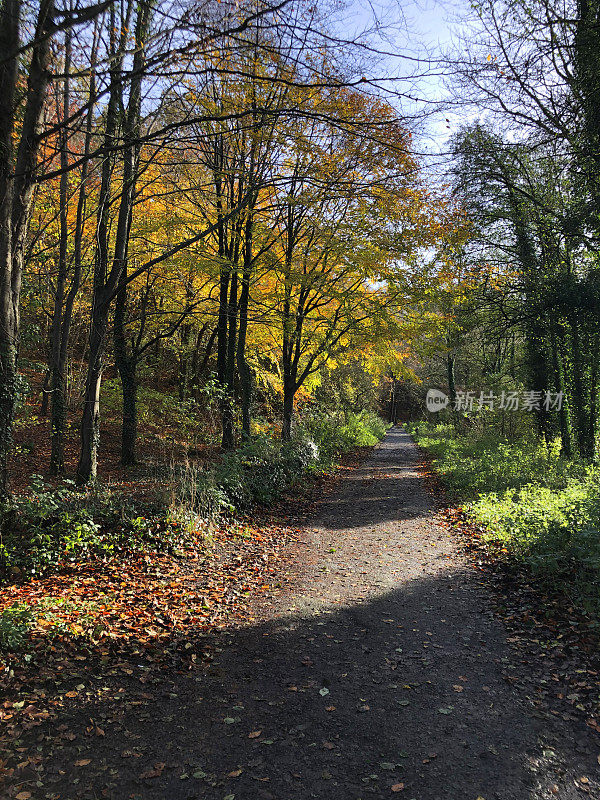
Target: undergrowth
[261, 469]
[48, 529]
[541, 509]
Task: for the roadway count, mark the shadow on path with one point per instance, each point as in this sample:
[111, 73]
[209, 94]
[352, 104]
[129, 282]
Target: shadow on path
[384, 675]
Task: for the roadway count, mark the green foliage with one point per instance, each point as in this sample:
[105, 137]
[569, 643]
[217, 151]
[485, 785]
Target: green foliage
[478, 460]
[160, 409]
[538, 508]
[15, 623]
[49, 527]
[48, 615]
[335, 434]
[261, 469]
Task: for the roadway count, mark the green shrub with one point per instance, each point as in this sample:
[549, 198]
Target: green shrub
[261, 469]
[335, 434]
[15, 623]
[49, 527]
[482, 461]
[541, 509]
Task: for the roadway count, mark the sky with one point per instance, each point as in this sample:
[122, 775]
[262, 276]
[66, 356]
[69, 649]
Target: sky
[422, 29]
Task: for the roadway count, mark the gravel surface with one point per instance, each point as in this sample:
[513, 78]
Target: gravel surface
[383, 673]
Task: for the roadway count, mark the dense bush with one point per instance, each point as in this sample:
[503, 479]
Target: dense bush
[542, 509]
[482, 461]
[50, 526]
[260, 470]
[335, 434]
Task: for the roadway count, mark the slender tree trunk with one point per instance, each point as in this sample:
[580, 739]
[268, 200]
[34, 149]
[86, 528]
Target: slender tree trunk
[242, 364]
[17, 177]
[228, 421]
[451, 379]
[45, 392]
[108, 287]
[59, 382]
[538, 374]
[593, 413]
[450, 364]
[243, 369]
[563, 413]
[579, 395]
[288, 409]
[184, 362]
[87, 469]
[57, 366]
[127, 366]
[130, 415]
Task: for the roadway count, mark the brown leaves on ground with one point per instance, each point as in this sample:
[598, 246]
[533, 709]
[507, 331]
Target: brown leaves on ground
[126, 620]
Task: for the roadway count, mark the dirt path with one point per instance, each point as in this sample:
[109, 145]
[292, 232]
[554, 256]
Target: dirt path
[385, 674]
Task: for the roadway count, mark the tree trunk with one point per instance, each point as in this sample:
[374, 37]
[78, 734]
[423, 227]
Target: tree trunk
[108, 287]
[566, 446]
[184, 362]
[451, 379]
[45, 392]
[582, 428]
[288, 410]
[8, 391]
[593, 412]
[17, 179]
[244, 373]
[228, 421]
[87, 469]
[59, 364]
[127, 366]
[538, 374]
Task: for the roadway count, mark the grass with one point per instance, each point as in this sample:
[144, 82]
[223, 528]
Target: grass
[543, 510]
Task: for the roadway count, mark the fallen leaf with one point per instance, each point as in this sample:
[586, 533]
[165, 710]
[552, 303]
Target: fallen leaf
[154, 773]
[398, 787]
[254, 734]
[83, 762]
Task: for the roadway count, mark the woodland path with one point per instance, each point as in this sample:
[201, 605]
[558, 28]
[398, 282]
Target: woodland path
[382, 674]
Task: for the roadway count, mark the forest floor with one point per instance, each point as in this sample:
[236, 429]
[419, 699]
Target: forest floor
[384, 665]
